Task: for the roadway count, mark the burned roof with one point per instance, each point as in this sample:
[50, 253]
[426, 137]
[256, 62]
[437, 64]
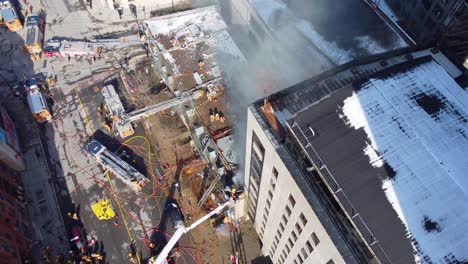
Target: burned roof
[393, 147]
[190, 41]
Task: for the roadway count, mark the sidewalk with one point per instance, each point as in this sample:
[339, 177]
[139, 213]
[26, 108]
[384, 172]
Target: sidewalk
[40, 194]
[103, 10]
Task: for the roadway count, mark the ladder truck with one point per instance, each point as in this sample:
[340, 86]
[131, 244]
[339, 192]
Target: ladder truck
[116, 165]
[162, 257]
[122, 121]
[34, 35]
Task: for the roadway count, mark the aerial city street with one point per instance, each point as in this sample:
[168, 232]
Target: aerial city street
[233, 131]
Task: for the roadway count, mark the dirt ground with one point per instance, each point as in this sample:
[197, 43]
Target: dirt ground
[171, 141]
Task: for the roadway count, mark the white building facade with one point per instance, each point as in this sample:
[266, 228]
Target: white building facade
[286, 223]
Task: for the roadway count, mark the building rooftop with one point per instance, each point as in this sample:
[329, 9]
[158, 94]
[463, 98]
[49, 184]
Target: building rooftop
[342, 38]
[190, 42]
[390, 144]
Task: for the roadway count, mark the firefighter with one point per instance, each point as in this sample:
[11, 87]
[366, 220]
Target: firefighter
[73, 216]
[132, 257]
[216, 114]
[152, 245]
[97, 256]
[212, 117]
[106, 126]
[99, 112]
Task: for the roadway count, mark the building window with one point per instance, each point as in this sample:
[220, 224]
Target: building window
[287, 248]
[268, 204]
[285, 220]
[294, 236]
[309, 246]
[298, 228]
[292, 201]
[303, 219]
[281, 227]
[276, 239]
[278, 233]
[290, 242]
[299, 259]
[258, 144]
[315, 239]
[275, 173]
[288, 211]
[272, 184]
[270, 195]
[330, 262]
[304, 253]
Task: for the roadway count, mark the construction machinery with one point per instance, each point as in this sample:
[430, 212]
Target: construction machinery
[9, 16]
[34, 35]
[116, 165]
[36, 100]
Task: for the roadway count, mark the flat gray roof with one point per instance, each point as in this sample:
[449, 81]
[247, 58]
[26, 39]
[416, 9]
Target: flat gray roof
[389, 138]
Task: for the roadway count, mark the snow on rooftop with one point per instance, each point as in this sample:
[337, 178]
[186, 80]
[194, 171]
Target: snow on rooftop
[336, 54]
[194, 21]
[199, 25]
[276, 14]
[224, 43]
[416, 123]
[268, 10]
[168, 57]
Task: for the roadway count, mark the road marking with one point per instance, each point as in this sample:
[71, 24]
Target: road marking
[88, 125]
[121, 213]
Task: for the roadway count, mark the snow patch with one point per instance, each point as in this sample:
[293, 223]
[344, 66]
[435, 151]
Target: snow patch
[269, 10]
[355, 117]
[427, 150]
[183, 23]
[375, 159]
[172, 62]
[369, 44]
[336, 54]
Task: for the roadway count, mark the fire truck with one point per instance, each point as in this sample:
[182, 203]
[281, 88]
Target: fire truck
[36, 101]
[116, 165]
[71, 48]
[9, 16]
[34, 35]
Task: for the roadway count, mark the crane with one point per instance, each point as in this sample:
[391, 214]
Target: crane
[162, 257]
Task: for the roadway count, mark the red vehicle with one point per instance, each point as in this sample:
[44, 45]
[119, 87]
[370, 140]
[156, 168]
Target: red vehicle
[76, 236]
[70, 49]
[51, 49]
